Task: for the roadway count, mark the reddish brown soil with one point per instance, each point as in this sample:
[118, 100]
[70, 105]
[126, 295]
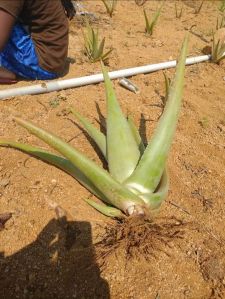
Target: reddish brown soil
[42, 257]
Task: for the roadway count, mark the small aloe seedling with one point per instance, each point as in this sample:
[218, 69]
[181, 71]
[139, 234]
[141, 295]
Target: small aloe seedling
[140, 2]
[93, 49]
[218, 50]
[110, 6]
[178, 13]
[199, 8]
[137, 180]
[222, 6]
[150, 24]
[204, 122]
[220, 23]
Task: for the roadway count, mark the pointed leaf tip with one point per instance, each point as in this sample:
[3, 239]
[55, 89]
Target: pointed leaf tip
[149, 170]
[122, 149]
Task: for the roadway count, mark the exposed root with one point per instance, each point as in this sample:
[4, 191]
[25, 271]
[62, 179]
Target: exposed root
[138, 237]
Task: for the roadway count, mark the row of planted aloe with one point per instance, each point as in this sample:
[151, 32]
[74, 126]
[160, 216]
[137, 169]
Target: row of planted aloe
[94, 48]
[110, 6]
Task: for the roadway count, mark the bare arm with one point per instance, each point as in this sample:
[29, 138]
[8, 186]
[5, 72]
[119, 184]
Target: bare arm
[6, 23]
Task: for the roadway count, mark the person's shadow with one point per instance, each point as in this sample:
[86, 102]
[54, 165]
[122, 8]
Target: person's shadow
[59, 264]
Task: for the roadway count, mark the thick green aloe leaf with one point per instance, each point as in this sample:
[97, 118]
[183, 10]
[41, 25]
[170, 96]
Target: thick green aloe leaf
[148, 172]
[57, 161]
[116, 194]
[93, 132]
[101, 48]
[122, 150]
[105, 210]
[136, 135]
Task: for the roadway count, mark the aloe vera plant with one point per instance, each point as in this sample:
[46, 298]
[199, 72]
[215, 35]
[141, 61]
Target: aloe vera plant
[199, 8]
[93, 48]
[150, 24]
[218, 50]
[137, 181]
[178, 13]
[110, 6]
[220, 23]
[222, 6]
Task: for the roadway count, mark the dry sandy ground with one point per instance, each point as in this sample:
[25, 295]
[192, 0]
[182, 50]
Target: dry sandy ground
[42, 257]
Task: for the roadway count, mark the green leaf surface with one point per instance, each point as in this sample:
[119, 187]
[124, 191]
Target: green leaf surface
[147, 174]
[122, 150]
[136, 135]
[149, 26]
[101, 48]
[57, 161]
[93, 132]
[116, 194]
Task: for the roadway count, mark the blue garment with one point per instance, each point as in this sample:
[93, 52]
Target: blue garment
[19, 56]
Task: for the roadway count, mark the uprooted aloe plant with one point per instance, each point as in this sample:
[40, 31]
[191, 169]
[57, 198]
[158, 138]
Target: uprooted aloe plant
[137, 181]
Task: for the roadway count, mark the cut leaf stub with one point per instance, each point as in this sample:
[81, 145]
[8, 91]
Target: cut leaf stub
[137, 180]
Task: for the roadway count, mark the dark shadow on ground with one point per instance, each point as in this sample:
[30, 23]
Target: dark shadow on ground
[59, 264]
